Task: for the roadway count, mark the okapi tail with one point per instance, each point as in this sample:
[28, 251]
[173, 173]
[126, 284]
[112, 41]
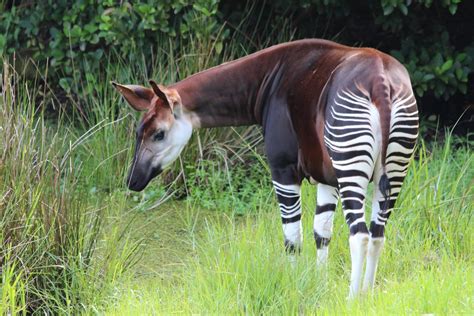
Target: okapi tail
[381, 96]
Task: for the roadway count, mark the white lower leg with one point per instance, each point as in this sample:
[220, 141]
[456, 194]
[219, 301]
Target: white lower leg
[373, 254]
[293, 234]
[293, 240]
[358, 245]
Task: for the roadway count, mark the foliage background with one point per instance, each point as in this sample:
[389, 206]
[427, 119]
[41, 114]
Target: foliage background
[433, 38]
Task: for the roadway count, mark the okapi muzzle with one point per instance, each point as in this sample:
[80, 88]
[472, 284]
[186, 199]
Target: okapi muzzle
[161, 135]
[142, 170]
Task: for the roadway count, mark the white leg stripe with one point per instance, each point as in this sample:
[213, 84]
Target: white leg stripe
[290, 188]
[323, 224]
[373, 254]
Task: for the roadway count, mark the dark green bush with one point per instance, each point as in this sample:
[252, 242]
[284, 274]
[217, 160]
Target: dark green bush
[433, 38]
[438, 62]
[73, 36]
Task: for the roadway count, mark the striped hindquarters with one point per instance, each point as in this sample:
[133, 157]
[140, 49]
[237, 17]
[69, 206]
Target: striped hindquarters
[353, 139]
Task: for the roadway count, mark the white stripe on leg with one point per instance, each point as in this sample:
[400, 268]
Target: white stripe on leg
[292, 233]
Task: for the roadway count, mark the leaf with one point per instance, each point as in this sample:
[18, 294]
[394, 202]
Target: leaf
[453, 8]
[90, 28]
[446, 66]
[219, 47]
[65, 84]
[105, 18]
[437, 60]
[388, 10]
[428, 77]
[75, 31]
[419, 91]
[3, 42]
[460, 57]
[404, 9]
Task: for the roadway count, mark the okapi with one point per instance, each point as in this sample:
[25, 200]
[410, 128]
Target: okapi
[332, 114]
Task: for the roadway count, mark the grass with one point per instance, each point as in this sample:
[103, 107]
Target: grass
[74, 240]
[63, 241]
[50, 224]
[231, 264]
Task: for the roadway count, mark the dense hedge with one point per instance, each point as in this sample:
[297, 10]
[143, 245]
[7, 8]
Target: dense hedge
[66, 33]
[433, 38]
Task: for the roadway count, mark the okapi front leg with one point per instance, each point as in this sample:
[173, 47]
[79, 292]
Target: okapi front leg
[289, 200]
[326, 202]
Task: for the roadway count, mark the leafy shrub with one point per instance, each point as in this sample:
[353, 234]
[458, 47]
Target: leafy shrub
[437, 69]
[73, 36]
[432, 38]
[435, 64]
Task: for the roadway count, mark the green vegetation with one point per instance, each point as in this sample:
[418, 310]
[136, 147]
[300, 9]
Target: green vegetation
[232, 265]
[51, 223]
[73, 37]
[74, 240]
[205, 237]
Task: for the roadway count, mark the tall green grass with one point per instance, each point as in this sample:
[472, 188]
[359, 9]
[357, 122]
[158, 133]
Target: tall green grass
[50, 225]
[70, 231]
[238, 265]
[63, 238]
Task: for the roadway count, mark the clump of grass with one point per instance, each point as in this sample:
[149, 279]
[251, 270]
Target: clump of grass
[49, 229]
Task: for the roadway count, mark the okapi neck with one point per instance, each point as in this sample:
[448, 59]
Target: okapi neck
[238, 92]
[231, 94]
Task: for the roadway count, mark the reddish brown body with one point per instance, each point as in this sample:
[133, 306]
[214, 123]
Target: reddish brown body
[304, 75]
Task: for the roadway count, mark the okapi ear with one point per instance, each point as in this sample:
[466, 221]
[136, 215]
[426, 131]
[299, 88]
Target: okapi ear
[169, 96]
[138, 97]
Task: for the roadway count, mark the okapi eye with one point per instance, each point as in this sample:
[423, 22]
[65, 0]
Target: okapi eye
[159, 136]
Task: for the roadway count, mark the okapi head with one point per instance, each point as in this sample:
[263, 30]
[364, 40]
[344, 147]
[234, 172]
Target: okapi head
[161, 134]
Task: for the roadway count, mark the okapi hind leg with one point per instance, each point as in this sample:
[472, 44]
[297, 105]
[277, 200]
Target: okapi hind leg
[381, 208]
[388, 180]
[353, 185]
[353, 204]
[350, 137]
[326, 202]
[386, 191]
[289, 200]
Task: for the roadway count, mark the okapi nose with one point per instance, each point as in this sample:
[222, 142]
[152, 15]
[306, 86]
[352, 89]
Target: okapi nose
[138, 180]
[132, 182]
[136, 185]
